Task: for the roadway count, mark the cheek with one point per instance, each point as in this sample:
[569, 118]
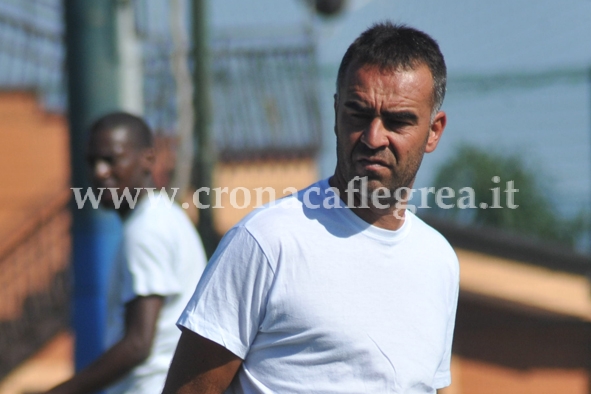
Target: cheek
[409, 143]
[349, 142]
[344, 138]
[123, 171]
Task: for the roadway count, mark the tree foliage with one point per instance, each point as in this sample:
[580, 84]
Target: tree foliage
[536, 214]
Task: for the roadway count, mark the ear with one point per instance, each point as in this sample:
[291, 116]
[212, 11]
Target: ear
[435, 132]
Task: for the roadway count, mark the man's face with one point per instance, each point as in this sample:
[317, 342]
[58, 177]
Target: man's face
[383, 125]
[114, 162]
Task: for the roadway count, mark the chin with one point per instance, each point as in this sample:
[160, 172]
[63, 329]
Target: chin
[375, 180]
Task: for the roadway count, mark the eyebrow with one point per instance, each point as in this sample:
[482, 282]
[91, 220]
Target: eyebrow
[357, 106]
[401, 116]
[392, 115]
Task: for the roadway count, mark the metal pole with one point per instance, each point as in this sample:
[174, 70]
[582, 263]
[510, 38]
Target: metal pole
[184, 96]
[92, 90]
[205, 155]
[129, 49]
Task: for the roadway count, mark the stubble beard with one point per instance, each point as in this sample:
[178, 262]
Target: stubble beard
[401, 177]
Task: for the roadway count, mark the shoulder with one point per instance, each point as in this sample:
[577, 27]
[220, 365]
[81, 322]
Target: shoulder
[281, 223]
[154, 215]
[268, 227]
[158, 222]
[280, 215]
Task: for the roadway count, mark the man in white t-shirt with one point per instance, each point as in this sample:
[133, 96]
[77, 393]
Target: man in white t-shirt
[338, 289]
[157, 267]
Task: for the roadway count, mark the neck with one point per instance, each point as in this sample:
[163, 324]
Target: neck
[125, 209]
[391, 218]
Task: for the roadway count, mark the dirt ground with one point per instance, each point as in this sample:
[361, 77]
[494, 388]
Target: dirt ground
[51, 365]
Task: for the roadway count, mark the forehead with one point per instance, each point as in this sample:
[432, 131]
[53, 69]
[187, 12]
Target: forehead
[109, 141]
[370, 79]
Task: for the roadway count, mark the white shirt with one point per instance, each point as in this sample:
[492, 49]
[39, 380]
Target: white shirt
[317, 300]
[160, 254]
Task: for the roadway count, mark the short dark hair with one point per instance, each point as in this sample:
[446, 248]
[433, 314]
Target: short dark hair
[391, 46]
[139, 129]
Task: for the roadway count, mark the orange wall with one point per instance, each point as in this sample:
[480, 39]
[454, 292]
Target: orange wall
[477, 377]
[505, 348]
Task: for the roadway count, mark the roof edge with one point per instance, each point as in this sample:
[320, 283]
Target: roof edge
[508, 245]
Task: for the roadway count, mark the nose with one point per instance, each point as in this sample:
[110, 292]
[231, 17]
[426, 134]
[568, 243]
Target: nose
[375, 135]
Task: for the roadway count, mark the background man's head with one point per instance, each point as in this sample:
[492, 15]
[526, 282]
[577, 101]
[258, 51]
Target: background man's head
[391, 47]
[120, 155]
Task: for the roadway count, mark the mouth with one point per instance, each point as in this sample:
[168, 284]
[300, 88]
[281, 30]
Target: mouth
[372, 163]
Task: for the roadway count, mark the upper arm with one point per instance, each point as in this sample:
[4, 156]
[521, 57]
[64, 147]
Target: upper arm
[227, 308]
[200, 366]
[229, 304]
[151, 262]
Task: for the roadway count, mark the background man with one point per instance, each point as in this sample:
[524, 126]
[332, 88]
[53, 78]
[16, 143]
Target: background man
[309, 295]
[157, 267]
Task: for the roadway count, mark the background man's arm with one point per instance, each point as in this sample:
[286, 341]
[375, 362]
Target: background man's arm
[141, 315]
[200, 366]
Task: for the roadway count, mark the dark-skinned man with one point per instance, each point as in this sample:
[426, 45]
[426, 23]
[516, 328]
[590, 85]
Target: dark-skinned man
[158, 264]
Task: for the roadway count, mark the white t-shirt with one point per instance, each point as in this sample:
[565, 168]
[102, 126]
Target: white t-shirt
[160, 254]
[316, 300]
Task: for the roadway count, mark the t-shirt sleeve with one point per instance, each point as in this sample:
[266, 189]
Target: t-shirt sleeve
[443, 375]
[150, 261]
[229, 303]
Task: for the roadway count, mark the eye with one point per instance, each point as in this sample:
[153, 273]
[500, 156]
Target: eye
[394, 124]
[399, 120]
[360, 116]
